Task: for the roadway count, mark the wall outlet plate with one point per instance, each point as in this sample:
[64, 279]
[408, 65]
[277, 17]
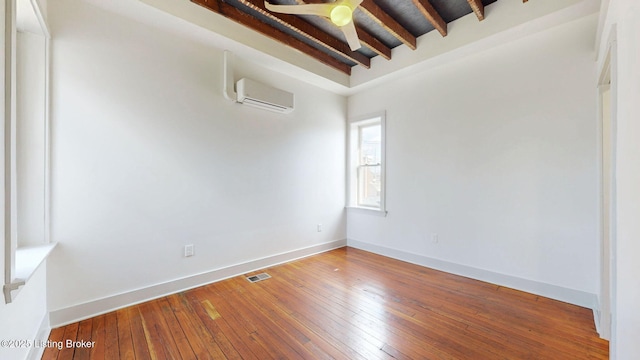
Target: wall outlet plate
[188, 250]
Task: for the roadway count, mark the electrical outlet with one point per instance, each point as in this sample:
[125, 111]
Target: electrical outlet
[188, 250]
[319, 227]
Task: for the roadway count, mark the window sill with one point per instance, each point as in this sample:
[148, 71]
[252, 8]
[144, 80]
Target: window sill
[366, 211]
[29, 259]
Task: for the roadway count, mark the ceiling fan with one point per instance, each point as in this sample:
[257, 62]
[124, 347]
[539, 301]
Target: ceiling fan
[340, 13]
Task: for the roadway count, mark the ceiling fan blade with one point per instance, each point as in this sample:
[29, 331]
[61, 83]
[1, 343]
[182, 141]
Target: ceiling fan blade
[351, 34]
[306, 9]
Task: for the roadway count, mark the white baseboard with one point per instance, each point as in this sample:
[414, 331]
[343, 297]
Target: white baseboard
[596, 321]
[560, 293]
[603, 322]
[69, 315]
[36, 352]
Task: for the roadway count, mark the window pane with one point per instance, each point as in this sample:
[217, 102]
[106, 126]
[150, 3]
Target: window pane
[370, 141]
[369, 185]
[369, 169]
[370, 144]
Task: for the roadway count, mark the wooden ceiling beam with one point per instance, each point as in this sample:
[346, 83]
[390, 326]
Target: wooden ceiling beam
[388, 23]
[366, 39]
[432, 15]
[232, 13]
[478, 8]
[309, 31]
[373, 44]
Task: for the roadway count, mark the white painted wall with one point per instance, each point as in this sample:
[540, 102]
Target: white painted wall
[495, 153]
[26, 318]
[147, 156]
[622, 24]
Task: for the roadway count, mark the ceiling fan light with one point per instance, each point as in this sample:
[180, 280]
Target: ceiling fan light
[341, 15]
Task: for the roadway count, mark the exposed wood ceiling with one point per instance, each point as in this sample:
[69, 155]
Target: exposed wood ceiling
[382, 25]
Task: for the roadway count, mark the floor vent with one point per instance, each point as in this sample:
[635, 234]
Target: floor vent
[258, 277]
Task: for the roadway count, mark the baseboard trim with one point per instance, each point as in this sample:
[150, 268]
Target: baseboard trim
[596, 321]
[36, 352]
[602, 322]
[555, 292]
[75, 313]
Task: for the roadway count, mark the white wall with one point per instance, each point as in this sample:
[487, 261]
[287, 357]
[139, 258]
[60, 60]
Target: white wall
[26, 318]
[148, 156]
[622, 25]
[495, 153]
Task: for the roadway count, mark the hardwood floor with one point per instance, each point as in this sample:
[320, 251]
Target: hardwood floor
[343, 304]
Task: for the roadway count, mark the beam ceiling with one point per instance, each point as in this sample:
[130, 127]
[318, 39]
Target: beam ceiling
[381, 26]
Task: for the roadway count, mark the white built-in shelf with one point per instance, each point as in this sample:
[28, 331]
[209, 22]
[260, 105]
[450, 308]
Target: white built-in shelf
[29, 259]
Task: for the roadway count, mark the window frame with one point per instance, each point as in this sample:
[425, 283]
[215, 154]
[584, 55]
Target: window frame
[354, 126]
[20, 261]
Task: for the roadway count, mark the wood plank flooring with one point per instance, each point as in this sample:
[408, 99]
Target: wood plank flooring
[343, 304]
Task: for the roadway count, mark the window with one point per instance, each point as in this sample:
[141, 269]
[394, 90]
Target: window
[25, 143]
[367, 163]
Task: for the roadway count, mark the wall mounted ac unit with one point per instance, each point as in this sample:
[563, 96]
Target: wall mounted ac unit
[262, 96]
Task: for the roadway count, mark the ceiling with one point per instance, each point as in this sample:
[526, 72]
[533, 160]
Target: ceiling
[253, 41]
[382, 25]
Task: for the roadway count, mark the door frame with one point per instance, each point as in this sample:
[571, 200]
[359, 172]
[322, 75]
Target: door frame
[607, 81]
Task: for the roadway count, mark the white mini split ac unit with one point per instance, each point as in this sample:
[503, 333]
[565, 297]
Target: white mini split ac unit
[262, 96]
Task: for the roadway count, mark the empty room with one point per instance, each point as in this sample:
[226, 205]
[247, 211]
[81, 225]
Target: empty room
[348, 179]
